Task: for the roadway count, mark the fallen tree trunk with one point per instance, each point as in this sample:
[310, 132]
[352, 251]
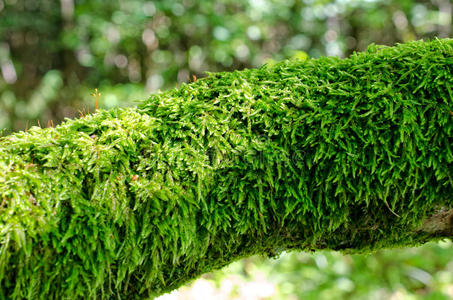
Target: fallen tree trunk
[351, 155]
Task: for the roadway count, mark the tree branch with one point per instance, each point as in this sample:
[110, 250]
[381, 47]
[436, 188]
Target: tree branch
[350, 155]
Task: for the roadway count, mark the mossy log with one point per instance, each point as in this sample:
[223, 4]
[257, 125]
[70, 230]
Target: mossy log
[352, 155]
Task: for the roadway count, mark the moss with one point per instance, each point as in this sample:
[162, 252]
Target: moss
[325, 153]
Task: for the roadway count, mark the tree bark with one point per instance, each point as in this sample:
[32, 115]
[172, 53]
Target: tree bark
[352, 155]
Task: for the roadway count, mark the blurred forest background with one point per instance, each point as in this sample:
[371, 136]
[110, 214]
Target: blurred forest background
[54, 53]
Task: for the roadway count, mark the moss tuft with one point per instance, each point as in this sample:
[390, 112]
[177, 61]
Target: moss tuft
[350, 155]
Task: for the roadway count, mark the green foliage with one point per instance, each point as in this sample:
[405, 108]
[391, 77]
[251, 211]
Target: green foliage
[313, 154]
[412, 273]
[157, 44]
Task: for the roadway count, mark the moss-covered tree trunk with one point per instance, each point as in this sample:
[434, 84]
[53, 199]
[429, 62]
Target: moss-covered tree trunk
[352, 154]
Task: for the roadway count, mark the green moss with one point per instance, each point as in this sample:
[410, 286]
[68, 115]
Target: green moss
[325, 153]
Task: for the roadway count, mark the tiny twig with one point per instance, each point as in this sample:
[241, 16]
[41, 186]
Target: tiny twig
[82, 112]
[388, 206]
[96, 96]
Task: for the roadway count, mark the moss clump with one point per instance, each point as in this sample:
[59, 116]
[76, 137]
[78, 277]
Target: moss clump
[349, 154]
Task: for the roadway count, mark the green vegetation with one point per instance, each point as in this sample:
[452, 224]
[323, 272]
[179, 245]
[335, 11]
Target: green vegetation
[351, 155]
[407, 273]
[53, 54]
